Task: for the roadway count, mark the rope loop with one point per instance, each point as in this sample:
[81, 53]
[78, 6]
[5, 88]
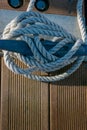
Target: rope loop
[32, 27]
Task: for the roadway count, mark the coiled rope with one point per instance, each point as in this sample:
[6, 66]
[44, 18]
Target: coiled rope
[32, 27]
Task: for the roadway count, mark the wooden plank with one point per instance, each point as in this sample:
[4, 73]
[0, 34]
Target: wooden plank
[68, 102]
[24, 102]
[4, 101]
[62, 7]
[56, 6]
[45, 106]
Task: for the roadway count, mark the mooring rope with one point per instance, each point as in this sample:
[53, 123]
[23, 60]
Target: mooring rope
[33, 26]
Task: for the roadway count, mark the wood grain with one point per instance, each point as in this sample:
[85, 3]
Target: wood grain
[4, 97]
[24, 102]
[68, 102]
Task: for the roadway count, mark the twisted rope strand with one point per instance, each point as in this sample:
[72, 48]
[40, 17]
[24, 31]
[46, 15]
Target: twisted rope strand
[32, 27]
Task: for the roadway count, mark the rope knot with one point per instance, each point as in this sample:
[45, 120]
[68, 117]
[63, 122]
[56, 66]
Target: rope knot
[47, 55]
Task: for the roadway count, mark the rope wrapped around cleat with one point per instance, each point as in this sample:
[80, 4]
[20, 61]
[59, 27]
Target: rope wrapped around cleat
[32, 27]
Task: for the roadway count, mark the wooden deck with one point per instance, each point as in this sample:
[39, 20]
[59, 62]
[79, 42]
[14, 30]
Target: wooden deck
[33, 105]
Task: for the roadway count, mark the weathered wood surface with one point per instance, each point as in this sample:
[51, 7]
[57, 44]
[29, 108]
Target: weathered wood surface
[32, 105]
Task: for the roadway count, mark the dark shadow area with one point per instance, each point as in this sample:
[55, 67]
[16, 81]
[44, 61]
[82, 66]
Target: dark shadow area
[64, 5]
[78, 78]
